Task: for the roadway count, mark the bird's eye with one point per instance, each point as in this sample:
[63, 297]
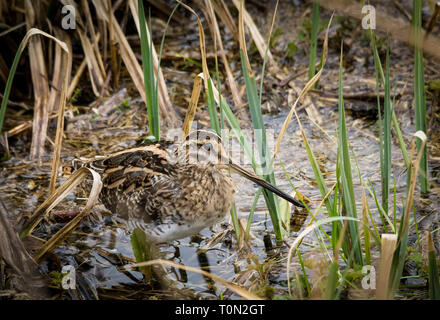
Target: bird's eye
[208, 146]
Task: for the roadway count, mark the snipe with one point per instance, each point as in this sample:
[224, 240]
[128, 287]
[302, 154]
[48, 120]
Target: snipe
[172, 191]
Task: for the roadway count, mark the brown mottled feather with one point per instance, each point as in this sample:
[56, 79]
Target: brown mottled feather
[168, 199]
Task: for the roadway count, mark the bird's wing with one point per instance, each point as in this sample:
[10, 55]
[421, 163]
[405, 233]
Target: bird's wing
[138, 182]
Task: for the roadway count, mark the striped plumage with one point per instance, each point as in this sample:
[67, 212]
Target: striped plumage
[169, 190]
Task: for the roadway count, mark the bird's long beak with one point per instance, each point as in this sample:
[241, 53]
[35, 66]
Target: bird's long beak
[263, 183]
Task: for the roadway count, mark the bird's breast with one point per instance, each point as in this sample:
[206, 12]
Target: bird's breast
[208, 192]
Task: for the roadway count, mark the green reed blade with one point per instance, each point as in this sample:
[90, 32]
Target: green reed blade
[332, 281]
[386, 138]
[383, 217]
[346, 176]
[319, 178]
[142, 250]
[303, 269]
[251, 213]
[434, 281]
[380, 73]
[379, 111]
[9, 85]
[233, 123]
[151, 91]
[212, 109]
[260, 136]
[419, 90]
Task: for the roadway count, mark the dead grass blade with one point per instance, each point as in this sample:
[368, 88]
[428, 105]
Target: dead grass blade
[41, 116]
[205, 75]
[94, 36]
[389, 242]
[233, 287]
[80, 70]
[414, 171]
[11, 29]
[255, 33]
[24, 126]
[212, 20]
[57, 78]
[95, 65]
[4, 69]
[55, 198]
[96, 76]
[114, 59]
[222, 10]
[242, 38]
[202, 45]
[134, 69]
[126, 52]
[192, 108]
[75, 79]
[57, 238]
[366, 228]
[40, 84]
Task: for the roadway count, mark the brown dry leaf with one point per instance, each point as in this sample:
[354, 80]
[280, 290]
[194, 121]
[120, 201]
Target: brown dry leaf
[415, 165]
[389, 242]
[202, 46]
[58, 77]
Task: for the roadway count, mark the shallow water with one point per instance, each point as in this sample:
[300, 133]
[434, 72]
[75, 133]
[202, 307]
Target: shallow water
[102, 269]
[101, 246]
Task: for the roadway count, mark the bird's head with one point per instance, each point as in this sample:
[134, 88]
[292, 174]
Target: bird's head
[204, 148]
